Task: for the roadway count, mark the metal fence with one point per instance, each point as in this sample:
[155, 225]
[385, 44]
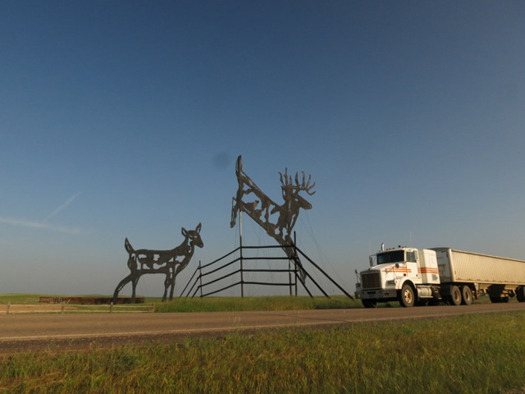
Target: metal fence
[236, 265]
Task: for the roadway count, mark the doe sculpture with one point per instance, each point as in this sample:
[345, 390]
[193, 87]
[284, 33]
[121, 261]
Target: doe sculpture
[168, 262]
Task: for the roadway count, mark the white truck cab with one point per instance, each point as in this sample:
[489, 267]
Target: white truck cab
[401, 274]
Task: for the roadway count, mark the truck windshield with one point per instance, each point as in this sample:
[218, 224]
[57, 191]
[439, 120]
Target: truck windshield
[395, 256]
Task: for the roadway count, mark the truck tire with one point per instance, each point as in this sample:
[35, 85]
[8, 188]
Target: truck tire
[520, 294]
[499, 299]
[455, 296]
[369, 303]
[407, 296]
[466, 295]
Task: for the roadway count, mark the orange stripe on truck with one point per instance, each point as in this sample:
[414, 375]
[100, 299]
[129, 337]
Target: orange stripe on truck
[428, 270]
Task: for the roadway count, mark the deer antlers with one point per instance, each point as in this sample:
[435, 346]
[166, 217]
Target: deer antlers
[286, 180]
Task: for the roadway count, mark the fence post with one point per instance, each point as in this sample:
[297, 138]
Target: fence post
[200, 276]
[63, 307]
[111, 307]
[295, 263]
[290, 276]
[8, 307]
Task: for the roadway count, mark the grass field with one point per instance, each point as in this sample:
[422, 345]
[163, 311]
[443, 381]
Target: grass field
[225, 304]
[222, 304]
[29, 303]
[470, 353]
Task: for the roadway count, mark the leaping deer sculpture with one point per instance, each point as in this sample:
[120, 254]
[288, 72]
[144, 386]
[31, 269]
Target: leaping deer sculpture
[277, 220]
[168, 262]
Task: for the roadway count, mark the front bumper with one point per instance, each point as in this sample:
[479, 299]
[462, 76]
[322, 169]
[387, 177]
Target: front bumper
[378, 294]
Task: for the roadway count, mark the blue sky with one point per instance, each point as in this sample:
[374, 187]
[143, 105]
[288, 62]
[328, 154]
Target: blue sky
[124, 119]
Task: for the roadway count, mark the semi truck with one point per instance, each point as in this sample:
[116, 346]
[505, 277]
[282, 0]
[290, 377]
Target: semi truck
[438, 275]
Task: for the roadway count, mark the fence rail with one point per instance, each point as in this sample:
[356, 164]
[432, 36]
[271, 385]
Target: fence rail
[64, 307]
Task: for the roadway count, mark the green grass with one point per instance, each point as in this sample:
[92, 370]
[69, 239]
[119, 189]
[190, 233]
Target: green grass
[20, 298]
[216, 304]
[224, 304]
[470, 353]
[276, 303]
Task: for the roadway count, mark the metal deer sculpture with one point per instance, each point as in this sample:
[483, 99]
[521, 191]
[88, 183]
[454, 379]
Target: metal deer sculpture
[277, 220]
[168, 262]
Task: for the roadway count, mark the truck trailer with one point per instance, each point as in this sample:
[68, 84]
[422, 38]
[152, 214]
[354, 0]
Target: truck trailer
[430, 276]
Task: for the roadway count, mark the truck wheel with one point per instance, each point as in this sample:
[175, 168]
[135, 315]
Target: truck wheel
[455, 295]
[369, 303]
[499, 299]
[406, 296]
[466, 295]
[520, 294]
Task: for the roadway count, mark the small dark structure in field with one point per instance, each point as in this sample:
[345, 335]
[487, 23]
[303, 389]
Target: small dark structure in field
[168, 262]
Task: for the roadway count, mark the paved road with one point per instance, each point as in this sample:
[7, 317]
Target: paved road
[22, 332]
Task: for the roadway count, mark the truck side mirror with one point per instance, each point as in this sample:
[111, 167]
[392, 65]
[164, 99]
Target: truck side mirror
[397, 265]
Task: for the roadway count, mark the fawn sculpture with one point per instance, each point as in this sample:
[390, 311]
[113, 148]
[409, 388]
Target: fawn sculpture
[168, 262]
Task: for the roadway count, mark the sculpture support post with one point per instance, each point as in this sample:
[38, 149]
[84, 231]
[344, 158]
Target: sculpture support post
[295, 254]
[241, 256]
[290, 276]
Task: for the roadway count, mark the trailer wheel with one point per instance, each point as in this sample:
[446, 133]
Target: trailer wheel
[369, 303]
[455, 295]
[466, 295]
[407, 296]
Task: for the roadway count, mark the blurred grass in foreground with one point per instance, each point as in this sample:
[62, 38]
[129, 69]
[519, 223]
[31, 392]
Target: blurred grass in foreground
[469, 353]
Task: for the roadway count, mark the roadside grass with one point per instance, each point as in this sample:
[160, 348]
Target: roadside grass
[468, 353]
[211, 304]
[23, 298]
[20, 298]
[274, 303]
[30, 303]
[214, 304]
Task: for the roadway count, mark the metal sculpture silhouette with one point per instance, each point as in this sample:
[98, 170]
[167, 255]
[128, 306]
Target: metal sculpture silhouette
[277, 220]
[168, 262]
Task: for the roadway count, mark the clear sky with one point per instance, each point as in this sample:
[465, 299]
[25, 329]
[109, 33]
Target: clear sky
[124, 119]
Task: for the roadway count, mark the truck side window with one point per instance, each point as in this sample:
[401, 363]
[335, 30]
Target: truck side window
[411, 257]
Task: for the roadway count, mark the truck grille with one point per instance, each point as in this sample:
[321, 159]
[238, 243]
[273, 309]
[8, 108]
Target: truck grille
[370, 280]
